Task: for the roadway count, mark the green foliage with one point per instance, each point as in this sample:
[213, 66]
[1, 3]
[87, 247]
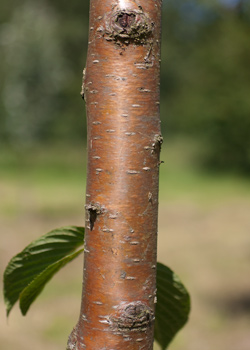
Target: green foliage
[41, 63]
[36, 264]
[28, 272]
[204, 78]
[35, 71]
[227, 124]
[31, 292]
[173, 305]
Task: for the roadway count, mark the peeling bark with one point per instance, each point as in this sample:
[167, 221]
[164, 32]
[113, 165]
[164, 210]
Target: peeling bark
[121, 90]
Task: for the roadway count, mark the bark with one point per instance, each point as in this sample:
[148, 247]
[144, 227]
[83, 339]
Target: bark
[121, 89]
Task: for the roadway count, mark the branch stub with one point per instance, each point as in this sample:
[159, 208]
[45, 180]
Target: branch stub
[127, 24]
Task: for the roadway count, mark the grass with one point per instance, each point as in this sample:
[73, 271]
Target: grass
[181, 176]
[49, 181]
[56, 175]
[204, 236]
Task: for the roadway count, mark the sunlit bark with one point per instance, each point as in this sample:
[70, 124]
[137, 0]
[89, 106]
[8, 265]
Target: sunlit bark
[121, 89]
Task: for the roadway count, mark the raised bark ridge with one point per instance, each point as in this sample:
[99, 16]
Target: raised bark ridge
[121, 89]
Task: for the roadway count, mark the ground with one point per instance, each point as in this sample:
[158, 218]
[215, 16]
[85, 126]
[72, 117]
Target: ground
[204, 226]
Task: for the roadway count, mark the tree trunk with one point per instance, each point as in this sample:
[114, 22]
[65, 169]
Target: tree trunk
[121, 89]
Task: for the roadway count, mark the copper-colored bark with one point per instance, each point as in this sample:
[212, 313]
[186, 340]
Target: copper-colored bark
[121, 88]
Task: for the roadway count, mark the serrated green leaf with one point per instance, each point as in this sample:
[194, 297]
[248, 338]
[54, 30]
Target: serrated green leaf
[31, 292]
[28, 272]
[172, 308]
[36, 257]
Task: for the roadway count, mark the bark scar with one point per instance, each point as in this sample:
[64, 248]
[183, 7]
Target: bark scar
[133, 317]
[125, 20]
[158, 141]
[72, 340]
[128, 25]
[93, 209]
[83, 84]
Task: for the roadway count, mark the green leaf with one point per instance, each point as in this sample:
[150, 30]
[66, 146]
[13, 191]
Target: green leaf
[172, 308]
[28, 272]
[37, 257]
[30, 293]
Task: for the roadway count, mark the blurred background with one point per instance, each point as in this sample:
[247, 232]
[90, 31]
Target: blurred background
[204, 219]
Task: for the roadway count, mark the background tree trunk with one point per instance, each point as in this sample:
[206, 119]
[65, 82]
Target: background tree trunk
[121, 89]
